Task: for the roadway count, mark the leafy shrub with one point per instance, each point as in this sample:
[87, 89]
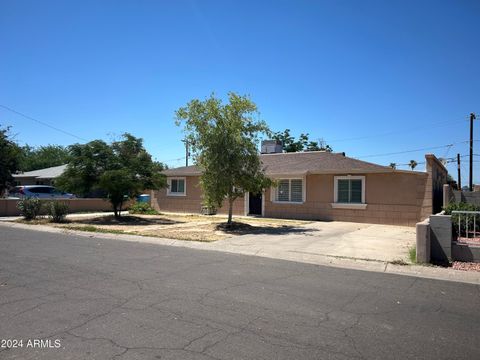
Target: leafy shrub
[29, 208]
[57, 210]
[142, 208]
[472, 220]
[462, 206]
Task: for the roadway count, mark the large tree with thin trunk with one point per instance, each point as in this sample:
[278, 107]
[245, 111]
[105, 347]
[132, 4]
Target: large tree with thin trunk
[119, 171]
[34, 158]
[224, 139]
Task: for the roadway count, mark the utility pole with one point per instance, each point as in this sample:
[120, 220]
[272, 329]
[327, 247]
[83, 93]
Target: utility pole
[187, 151]
[459, 175]
[470, 182]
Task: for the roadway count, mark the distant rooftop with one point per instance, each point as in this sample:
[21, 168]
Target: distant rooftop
[48, 173]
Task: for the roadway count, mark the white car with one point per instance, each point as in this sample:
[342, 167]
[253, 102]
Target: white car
[38, 191]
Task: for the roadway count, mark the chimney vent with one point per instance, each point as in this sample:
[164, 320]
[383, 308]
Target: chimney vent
[271, 147]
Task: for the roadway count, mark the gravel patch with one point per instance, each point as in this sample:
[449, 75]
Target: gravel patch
[466, 266]
[472, 240]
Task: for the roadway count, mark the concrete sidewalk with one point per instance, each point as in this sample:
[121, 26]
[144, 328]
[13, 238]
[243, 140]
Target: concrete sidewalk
[244, 245]
[69, 216]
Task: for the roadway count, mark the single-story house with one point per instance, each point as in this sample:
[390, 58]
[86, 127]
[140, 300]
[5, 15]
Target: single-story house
[45, 176]
[320, 185]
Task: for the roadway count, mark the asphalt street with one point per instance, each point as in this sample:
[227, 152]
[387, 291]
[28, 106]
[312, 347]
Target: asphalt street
[81, 297]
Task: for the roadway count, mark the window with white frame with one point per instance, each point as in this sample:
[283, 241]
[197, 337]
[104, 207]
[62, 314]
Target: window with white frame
[176, 186]
[350, 189]
[289, 190]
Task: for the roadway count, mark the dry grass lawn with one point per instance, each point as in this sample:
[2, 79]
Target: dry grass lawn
[181, 226]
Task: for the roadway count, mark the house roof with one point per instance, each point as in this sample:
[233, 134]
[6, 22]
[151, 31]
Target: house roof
[48, 173]
[301, 163]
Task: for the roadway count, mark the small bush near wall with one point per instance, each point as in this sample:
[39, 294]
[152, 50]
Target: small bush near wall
[57, 210]
[142, 208]
[463, 206]
[29, 208]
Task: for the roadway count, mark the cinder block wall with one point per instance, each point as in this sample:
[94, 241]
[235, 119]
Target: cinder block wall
[8, 207]
[391, 198]
[191, 202]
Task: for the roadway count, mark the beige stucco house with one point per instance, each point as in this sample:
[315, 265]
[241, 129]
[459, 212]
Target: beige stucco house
[322, 186]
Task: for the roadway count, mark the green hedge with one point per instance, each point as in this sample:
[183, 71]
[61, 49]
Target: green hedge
[462, 206]
[142, 208]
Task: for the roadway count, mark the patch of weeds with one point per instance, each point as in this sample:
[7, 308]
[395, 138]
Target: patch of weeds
[91, 228]
[39, 220]
[398, 262]
[412, 254]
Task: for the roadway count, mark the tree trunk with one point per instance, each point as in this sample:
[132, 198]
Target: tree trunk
[120, 209]
[230, 210]
[115, 211]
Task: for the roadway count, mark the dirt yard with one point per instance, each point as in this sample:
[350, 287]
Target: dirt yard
[183, 227]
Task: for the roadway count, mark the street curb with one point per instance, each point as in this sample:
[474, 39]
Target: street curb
[428, 272]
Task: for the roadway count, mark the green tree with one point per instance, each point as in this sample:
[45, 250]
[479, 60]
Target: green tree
[224, 140]
[86, 163]
[290, 144]
[120, 170]
[34, 158]
[393, 165]
[118, 184]
[315, 146]
[10, 157]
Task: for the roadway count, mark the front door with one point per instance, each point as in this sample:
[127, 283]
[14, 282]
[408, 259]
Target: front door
[255, 204]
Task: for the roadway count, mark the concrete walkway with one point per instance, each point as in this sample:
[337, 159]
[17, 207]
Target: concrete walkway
[282, 247]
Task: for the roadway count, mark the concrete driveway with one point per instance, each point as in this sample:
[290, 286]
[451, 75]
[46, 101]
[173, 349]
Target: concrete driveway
[383, 243]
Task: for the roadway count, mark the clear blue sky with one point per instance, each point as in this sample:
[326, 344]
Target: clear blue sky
[335, 69]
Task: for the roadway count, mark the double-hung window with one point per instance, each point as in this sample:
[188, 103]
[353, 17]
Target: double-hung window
[176, 186]
[349, 190]
[289, 190]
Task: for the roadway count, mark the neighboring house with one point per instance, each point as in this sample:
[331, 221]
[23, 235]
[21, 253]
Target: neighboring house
[320, 185]
[39, 177]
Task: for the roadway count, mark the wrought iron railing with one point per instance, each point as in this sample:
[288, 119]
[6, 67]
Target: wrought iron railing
[466, 223]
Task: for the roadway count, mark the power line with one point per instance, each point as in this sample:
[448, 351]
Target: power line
[411, 151]
[444, 123]
[177, 159]
[42, 123]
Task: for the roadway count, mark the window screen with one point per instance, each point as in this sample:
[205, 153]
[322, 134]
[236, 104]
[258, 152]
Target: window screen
[349, 191]
[283, 193]
[343, 191]
[297, 191]
[290, 190]
[177, 186]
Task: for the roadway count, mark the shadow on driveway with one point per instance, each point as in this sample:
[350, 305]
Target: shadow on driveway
[239, 228]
